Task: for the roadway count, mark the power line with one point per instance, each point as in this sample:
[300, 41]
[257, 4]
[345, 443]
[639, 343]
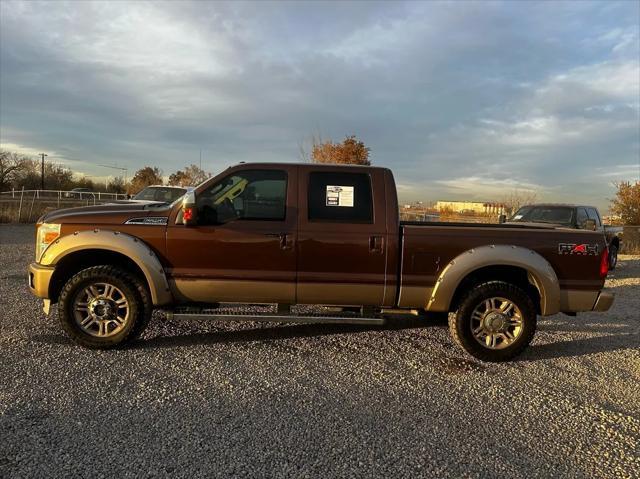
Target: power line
[118, 168]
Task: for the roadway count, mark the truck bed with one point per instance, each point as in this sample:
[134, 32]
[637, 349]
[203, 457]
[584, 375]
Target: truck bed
[427, 248]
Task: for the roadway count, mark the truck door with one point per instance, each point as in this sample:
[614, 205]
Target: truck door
[243, 247]
[342, 237]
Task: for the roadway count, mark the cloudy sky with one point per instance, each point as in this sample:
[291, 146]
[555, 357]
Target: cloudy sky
[463, 100]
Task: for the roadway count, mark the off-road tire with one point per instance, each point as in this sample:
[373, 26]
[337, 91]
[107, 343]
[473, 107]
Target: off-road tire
[133, 288]
[460, 322]
[613, 257]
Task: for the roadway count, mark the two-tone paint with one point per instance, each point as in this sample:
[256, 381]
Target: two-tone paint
[384, 263]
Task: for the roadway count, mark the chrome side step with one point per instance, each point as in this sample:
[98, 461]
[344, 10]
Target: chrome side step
[275, 317]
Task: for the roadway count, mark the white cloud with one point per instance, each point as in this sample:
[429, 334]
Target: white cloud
[447, 94]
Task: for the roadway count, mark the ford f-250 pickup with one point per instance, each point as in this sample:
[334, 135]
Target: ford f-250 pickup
[291, 234]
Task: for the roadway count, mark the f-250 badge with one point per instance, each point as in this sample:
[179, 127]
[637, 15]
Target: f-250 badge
[581, 249]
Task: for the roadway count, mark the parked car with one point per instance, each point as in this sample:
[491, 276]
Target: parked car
[80, 193]
[309, 234]
[572, 216]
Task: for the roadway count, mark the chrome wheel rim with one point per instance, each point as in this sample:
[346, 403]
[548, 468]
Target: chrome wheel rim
[101, 310]
[496, 323]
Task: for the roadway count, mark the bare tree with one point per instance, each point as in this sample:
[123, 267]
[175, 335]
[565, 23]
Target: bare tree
[11, 166]
[517, 198]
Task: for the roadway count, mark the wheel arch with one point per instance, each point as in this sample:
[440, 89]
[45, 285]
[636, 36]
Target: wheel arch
[71, 253]
[521, 266]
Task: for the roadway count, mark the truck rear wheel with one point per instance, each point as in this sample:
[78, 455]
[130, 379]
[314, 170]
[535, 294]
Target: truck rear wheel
[104, 306]
[613, 257]
[495, 321]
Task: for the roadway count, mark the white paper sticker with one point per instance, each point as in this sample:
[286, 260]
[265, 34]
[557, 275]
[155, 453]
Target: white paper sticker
[340, 196]
[517, 217]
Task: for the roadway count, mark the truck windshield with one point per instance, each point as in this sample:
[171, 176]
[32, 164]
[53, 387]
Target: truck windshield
[559, 215]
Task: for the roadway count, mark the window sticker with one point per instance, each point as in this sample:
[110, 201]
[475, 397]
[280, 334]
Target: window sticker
[517, 217]
[340, 196]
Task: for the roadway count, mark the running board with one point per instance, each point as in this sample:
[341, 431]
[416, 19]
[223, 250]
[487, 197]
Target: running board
[275, 317]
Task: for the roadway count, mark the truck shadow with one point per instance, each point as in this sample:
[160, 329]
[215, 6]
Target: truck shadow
[186, 334]
[581, 347]
[268, 333]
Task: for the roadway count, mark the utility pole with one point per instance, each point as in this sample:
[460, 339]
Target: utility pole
[42, 171]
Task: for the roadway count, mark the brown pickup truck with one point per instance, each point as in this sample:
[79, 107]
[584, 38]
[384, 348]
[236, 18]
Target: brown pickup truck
[300, 234]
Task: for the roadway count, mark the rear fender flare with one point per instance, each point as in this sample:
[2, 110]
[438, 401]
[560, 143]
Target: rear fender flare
[133, 248]
[540, 272]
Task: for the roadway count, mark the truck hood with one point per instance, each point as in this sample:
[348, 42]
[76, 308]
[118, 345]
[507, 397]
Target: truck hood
[105, 214]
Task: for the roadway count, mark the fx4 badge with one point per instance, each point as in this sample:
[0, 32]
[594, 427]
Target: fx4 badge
[581, 249]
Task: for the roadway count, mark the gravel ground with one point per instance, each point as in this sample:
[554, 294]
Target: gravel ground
[261, 400]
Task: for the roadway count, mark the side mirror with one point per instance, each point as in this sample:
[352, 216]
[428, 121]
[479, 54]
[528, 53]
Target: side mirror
[590, 225]
[189, 210]
[502, 219]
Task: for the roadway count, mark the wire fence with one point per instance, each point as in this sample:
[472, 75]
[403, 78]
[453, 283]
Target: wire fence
[63, 194]
[26, 206]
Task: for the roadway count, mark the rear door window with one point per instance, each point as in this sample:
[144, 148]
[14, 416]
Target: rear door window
[340, 197]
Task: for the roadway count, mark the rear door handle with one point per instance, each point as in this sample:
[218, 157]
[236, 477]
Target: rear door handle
[376, 244]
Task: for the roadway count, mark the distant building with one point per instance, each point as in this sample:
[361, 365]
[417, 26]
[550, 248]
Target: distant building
[471, 206]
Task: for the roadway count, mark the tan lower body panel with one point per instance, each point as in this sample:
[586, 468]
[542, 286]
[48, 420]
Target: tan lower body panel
[345, 294]
[414, 296]
[209, 290]
[574, 300]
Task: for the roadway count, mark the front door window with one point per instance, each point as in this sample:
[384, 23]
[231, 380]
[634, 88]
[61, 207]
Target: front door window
[245, 195]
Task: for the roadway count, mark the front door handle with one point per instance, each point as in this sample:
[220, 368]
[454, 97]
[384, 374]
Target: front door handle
[376, 244]
[286, 241]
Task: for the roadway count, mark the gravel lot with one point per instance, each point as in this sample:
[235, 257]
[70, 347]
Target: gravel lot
[261, 400]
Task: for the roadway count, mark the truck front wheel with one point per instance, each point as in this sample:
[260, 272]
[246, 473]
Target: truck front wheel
[495, 321]
[103, 306]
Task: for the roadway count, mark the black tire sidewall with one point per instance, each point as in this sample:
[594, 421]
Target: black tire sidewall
[613, 257]
[460, 323]
[73, 287]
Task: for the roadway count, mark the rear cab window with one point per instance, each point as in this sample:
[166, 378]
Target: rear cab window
[581, 218]
[593, 214]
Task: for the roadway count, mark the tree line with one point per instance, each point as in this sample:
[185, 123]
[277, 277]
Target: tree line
[18, 171]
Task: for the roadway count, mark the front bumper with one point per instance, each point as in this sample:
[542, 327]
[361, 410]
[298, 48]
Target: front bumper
[39, 279]
[604, 301]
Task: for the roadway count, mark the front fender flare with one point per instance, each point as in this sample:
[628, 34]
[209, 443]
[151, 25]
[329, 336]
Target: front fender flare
[133, 248]
[540, 271]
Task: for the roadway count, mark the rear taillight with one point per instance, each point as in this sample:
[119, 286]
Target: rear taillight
[604, 263]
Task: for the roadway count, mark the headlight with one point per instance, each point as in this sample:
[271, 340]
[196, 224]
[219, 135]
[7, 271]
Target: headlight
[47, 234]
